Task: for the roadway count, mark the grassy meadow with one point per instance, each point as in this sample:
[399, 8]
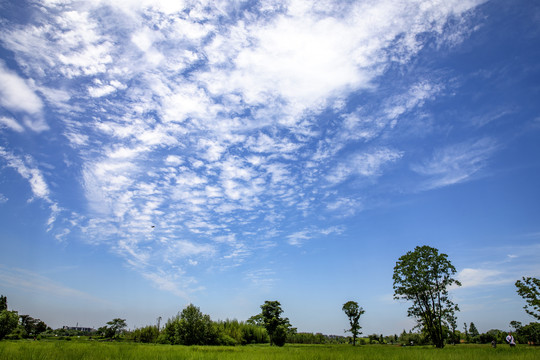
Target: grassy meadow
[60, 350]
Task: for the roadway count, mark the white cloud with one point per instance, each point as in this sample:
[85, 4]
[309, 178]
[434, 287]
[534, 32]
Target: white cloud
[300, 60]
[174, 160]
[11, 124]
[16, 94]
[470, 277]
[101, 91]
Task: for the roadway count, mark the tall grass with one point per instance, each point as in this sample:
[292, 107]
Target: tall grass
[60, 350]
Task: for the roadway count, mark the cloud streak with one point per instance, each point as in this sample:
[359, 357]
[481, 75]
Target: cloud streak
[456, 163]
[31, 282]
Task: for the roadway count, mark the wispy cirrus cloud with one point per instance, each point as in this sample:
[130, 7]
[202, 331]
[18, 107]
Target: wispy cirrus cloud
[299, 238]
[196, 122]
[27, 169]
[456, 163]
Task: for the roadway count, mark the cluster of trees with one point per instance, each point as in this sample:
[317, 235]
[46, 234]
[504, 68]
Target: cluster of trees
[15, 326]
[527, 334]
[422, 276]
[192, 327]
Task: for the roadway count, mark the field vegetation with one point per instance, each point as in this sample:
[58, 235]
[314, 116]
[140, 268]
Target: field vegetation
[88, 349]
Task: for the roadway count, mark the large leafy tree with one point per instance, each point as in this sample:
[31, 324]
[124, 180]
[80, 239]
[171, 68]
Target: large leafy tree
[353, 312]
[276, 326]
[529, 289]
[423, 276]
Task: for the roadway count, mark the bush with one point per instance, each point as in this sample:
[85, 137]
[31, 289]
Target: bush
[253, 334]
[226, 340]
[8, 322]
[306, 338]
[280, 335]
[531, 333]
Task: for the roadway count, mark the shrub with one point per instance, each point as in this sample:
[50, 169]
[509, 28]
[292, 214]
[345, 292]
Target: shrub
[280, 335]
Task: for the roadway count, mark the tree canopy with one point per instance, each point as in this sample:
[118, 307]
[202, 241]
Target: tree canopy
[116, 326]
[529, 289]
[423, 276]
[191, 327]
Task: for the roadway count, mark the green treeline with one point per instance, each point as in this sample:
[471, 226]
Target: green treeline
[192, 327]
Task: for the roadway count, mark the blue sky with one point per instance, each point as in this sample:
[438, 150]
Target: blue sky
[224, 153]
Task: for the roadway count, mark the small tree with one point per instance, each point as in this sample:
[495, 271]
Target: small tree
[529, 289]
[466, 332]
[3, 303]
[195, 328]
[473, 332]
[353, 312]
[423, 276]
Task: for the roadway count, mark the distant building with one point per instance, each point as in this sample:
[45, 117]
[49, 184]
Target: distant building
[78, 328]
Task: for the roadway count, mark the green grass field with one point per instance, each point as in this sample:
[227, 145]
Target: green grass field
[59, 350]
